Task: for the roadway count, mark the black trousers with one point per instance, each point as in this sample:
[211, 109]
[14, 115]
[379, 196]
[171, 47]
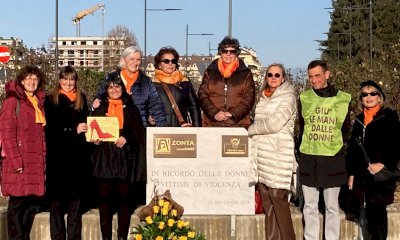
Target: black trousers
[20, 215]
[60, 206]
[114, 195]
[377, 220]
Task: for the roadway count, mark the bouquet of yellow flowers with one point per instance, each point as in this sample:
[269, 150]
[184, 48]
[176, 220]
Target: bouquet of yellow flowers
[164, 223]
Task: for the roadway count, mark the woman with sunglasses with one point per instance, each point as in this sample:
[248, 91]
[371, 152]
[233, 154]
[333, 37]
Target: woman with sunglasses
[168, 77]
[273, 150]
[116, 164]
[227, 92]
[378, 129]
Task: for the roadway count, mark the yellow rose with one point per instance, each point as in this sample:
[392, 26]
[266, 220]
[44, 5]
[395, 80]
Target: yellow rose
[156, 209]
[191, 234]
[149, 220]
[166, 204]
[174, 212]
[138, 237]
[161, 202]
[182, 238]
[174, 238]
[180, 224]
[161, 225]
[171, 222]
[159, 238]
[164, 211]
[185, 224]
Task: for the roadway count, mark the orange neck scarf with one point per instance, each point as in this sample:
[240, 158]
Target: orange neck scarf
[71, 95]
[129, 79]
[39, 116]
[172, 78]
[370, 113]
[115, 109]
[268, 92]
[227, 69]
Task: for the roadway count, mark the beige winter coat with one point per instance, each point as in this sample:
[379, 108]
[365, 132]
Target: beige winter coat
[272, 137]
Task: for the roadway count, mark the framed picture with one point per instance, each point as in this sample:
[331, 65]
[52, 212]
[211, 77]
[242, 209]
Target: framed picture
[105, 129]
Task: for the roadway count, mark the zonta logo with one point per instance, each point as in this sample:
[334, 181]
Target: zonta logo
[175, 145]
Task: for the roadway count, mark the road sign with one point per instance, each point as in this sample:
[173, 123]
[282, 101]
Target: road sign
[4, 54]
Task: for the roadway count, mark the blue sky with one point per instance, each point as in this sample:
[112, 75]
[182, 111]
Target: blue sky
[278, 30]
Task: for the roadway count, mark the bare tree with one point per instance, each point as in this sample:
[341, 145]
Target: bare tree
[118, 38]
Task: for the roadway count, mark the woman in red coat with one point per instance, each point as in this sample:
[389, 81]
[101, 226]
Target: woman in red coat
[22, 133]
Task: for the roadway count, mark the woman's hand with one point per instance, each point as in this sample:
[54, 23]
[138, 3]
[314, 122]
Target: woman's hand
[373, 168]
[120, 142]
[18, 170]
[151, 120]
[82, 127]
[186, 125]
[350, 182]
[220, 116]
[96, 103]
[96, 142]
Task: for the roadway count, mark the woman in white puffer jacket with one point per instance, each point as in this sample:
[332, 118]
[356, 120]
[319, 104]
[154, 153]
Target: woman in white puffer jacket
[272, 136]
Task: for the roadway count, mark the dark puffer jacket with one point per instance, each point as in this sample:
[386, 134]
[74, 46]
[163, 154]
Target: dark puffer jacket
[238, 101]
[145, 97]
[381, 142]
[23, 143]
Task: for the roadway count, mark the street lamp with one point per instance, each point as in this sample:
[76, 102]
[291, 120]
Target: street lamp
[370, 23]
[145, 23]
[187, 42]
[344, 33]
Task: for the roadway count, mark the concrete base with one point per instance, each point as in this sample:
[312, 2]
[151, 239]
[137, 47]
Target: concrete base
[213, 227]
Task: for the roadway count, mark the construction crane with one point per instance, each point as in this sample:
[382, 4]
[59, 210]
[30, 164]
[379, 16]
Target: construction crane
[77, 19]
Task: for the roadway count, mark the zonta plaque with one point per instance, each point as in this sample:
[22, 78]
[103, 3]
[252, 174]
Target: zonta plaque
[207, 170]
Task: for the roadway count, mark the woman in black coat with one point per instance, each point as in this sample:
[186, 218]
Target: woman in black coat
[117, 165]
[68, 159]
[378, 129]
[167, 74]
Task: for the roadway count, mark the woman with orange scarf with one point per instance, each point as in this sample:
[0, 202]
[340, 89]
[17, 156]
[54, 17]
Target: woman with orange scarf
[227, 92]
[68, 159]
[378, 129]
[168, 77]
[22, 124]
[116, 165]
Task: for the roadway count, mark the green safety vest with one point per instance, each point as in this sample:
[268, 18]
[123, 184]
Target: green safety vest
[323, 121]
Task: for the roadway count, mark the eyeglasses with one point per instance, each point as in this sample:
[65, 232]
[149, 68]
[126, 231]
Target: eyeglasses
[228, 51]
[167, 61]
[364, 94]
[277, 75]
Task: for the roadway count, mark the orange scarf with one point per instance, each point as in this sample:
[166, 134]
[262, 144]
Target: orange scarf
[227, 69]
[39, 116]
[172, 78]
[370, 113]
[129, 79]
[268, 92]
[71, 95]
[115, 109]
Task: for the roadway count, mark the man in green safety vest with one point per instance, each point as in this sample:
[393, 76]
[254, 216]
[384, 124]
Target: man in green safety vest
[324, 125]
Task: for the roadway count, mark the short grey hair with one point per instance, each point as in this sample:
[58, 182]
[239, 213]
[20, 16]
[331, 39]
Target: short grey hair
[127, 51]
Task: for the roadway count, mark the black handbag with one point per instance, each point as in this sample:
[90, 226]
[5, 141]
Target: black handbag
[384, 174]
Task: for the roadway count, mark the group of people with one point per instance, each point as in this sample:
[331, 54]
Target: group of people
[43, 138]
[332, 152]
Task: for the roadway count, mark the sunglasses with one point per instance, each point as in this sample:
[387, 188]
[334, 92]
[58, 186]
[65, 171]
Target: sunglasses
[228, 51]
[277, 75]
[167, 61]
[364, 94]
